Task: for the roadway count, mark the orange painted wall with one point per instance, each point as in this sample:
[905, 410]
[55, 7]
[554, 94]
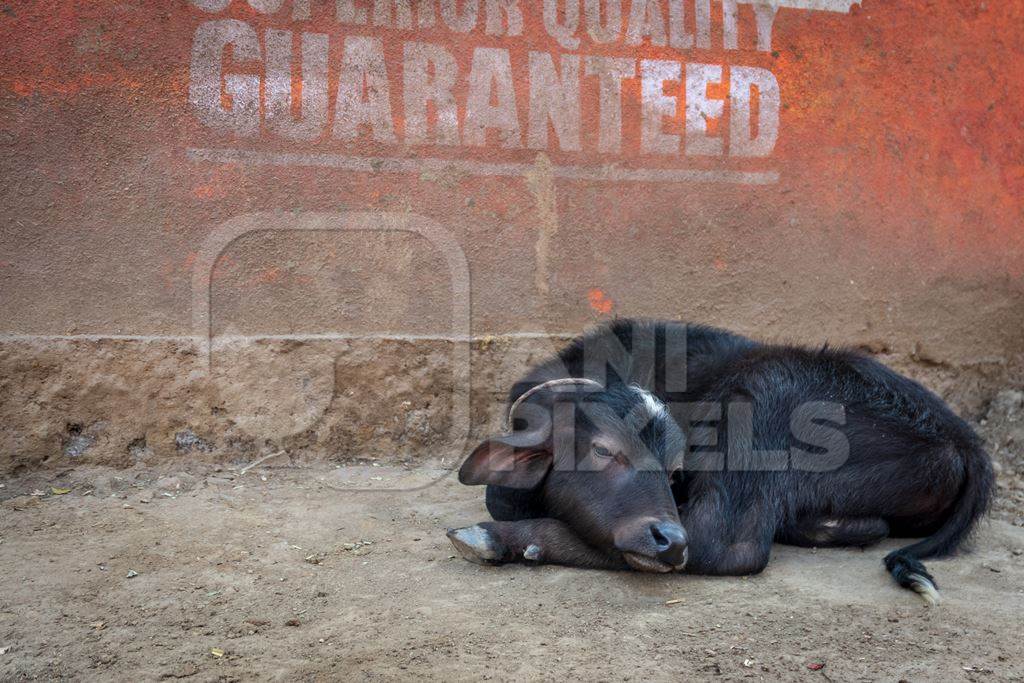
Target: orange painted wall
[896, 217]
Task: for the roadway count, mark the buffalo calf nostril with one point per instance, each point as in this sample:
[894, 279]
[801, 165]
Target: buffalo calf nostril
[671, 542]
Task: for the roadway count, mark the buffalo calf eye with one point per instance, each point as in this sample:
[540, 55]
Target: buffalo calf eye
[602, 451]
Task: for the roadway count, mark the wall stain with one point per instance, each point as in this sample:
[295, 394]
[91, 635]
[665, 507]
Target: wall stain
[541, 183]
[600, 302]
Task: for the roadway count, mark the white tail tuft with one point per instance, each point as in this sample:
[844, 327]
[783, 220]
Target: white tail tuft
[925, 588]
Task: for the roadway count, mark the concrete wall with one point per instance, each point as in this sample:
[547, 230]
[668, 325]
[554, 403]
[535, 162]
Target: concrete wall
[279, 222]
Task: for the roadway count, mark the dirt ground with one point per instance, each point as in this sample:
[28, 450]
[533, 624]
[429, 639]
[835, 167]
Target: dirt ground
[300, 571]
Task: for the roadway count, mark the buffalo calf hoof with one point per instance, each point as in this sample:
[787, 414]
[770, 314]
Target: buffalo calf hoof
[532, 553]
[476, 544]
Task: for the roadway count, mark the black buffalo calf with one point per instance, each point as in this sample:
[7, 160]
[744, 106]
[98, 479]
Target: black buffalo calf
[666, 447]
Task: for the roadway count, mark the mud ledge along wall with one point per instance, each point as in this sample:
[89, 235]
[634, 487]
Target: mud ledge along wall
[342, 228]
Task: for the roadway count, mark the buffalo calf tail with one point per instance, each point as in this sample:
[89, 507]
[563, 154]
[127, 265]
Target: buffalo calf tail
[910, 572]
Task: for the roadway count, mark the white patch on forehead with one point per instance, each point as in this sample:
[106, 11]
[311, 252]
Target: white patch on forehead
[653, 405]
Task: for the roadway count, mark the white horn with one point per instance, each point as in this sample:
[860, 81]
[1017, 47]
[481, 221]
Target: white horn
[544, 385]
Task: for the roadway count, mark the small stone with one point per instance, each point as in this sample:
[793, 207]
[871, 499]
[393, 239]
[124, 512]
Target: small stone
[77, 444]
[187, 441]
[138, 450]
[1007, 402]
[131, 574]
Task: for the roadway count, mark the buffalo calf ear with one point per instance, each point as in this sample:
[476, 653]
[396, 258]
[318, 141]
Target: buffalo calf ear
[499, 463]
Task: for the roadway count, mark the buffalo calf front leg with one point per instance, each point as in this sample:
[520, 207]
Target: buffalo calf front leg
[533, 541]
[727, 539]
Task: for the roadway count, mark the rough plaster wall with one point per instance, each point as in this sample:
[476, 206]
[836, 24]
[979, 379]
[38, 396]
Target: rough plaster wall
[122, 402]
[887, 215]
